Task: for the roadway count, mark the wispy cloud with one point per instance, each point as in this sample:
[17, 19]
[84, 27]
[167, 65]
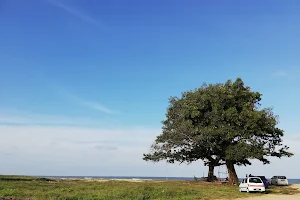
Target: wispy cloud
[98, 107]
[279, 73]
[75, 12]
[58, 89]
[107, 148]
[24, 118]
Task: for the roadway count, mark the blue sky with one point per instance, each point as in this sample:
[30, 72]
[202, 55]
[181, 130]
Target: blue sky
[105, 70]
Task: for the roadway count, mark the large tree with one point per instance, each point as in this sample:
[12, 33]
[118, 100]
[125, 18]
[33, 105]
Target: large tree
[184, 153]
[221, 123]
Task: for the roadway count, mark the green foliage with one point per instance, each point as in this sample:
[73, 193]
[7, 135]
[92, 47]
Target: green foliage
[219, 123]
[8, 192]
[22, 178]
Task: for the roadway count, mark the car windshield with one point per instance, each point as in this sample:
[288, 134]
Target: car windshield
[254, 180]
[281, 177]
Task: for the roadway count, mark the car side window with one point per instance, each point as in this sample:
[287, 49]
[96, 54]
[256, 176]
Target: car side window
[281, 177]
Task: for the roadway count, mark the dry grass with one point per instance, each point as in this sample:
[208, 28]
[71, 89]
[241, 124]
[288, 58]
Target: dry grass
[288, 190]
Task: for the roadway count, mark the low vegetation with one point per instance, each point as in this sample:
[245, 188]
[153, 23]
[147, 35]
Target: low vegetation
[14, 187]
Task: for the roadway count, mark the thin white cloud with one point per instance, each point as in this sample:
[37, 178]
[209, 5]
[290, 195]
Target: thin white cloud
[105, 147]
[279, 73]
[98, 107]
[60, 90]
[88, 104]
[18, 117]
[75, 12]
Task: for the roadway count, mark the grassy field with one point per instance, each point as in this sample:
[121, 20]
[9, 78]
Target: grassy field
[18, 187]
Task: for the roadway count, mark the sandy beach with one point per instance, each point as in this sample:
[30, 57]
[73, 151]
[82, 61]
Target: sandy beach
[277, 197]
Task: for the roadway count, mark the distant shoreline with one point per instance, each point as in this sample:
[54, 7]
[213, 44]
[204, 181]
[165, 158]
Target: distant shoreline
[137, 177]
[294, 180]
[129, 178]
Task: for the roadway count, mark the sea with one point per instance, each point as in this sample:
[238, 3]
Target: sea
[291, 181]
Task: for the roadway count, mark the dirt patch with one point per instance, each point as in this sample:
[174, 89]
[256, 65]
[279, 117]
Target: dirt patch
[277, 196]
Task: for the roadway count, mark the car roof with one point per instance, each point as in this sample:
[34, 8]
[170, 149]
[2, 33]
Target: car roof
[254, 177]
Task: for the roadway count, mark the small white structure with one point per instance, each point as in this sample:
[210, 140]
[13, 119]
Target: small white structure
[252, 184]
[279, 180]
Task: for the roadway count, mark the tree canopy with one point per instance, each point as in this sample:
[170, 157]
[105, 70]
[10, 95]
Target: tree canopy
[220, 124]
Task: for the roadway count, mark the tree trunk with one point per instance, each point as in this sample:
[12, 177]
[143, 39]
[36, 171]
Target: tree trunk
[232, 177]
[210, 177]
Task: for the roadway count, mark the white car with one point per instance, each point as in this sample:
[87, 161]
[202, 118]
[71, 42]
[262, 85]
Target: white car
[279, 180]
[252, 184]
